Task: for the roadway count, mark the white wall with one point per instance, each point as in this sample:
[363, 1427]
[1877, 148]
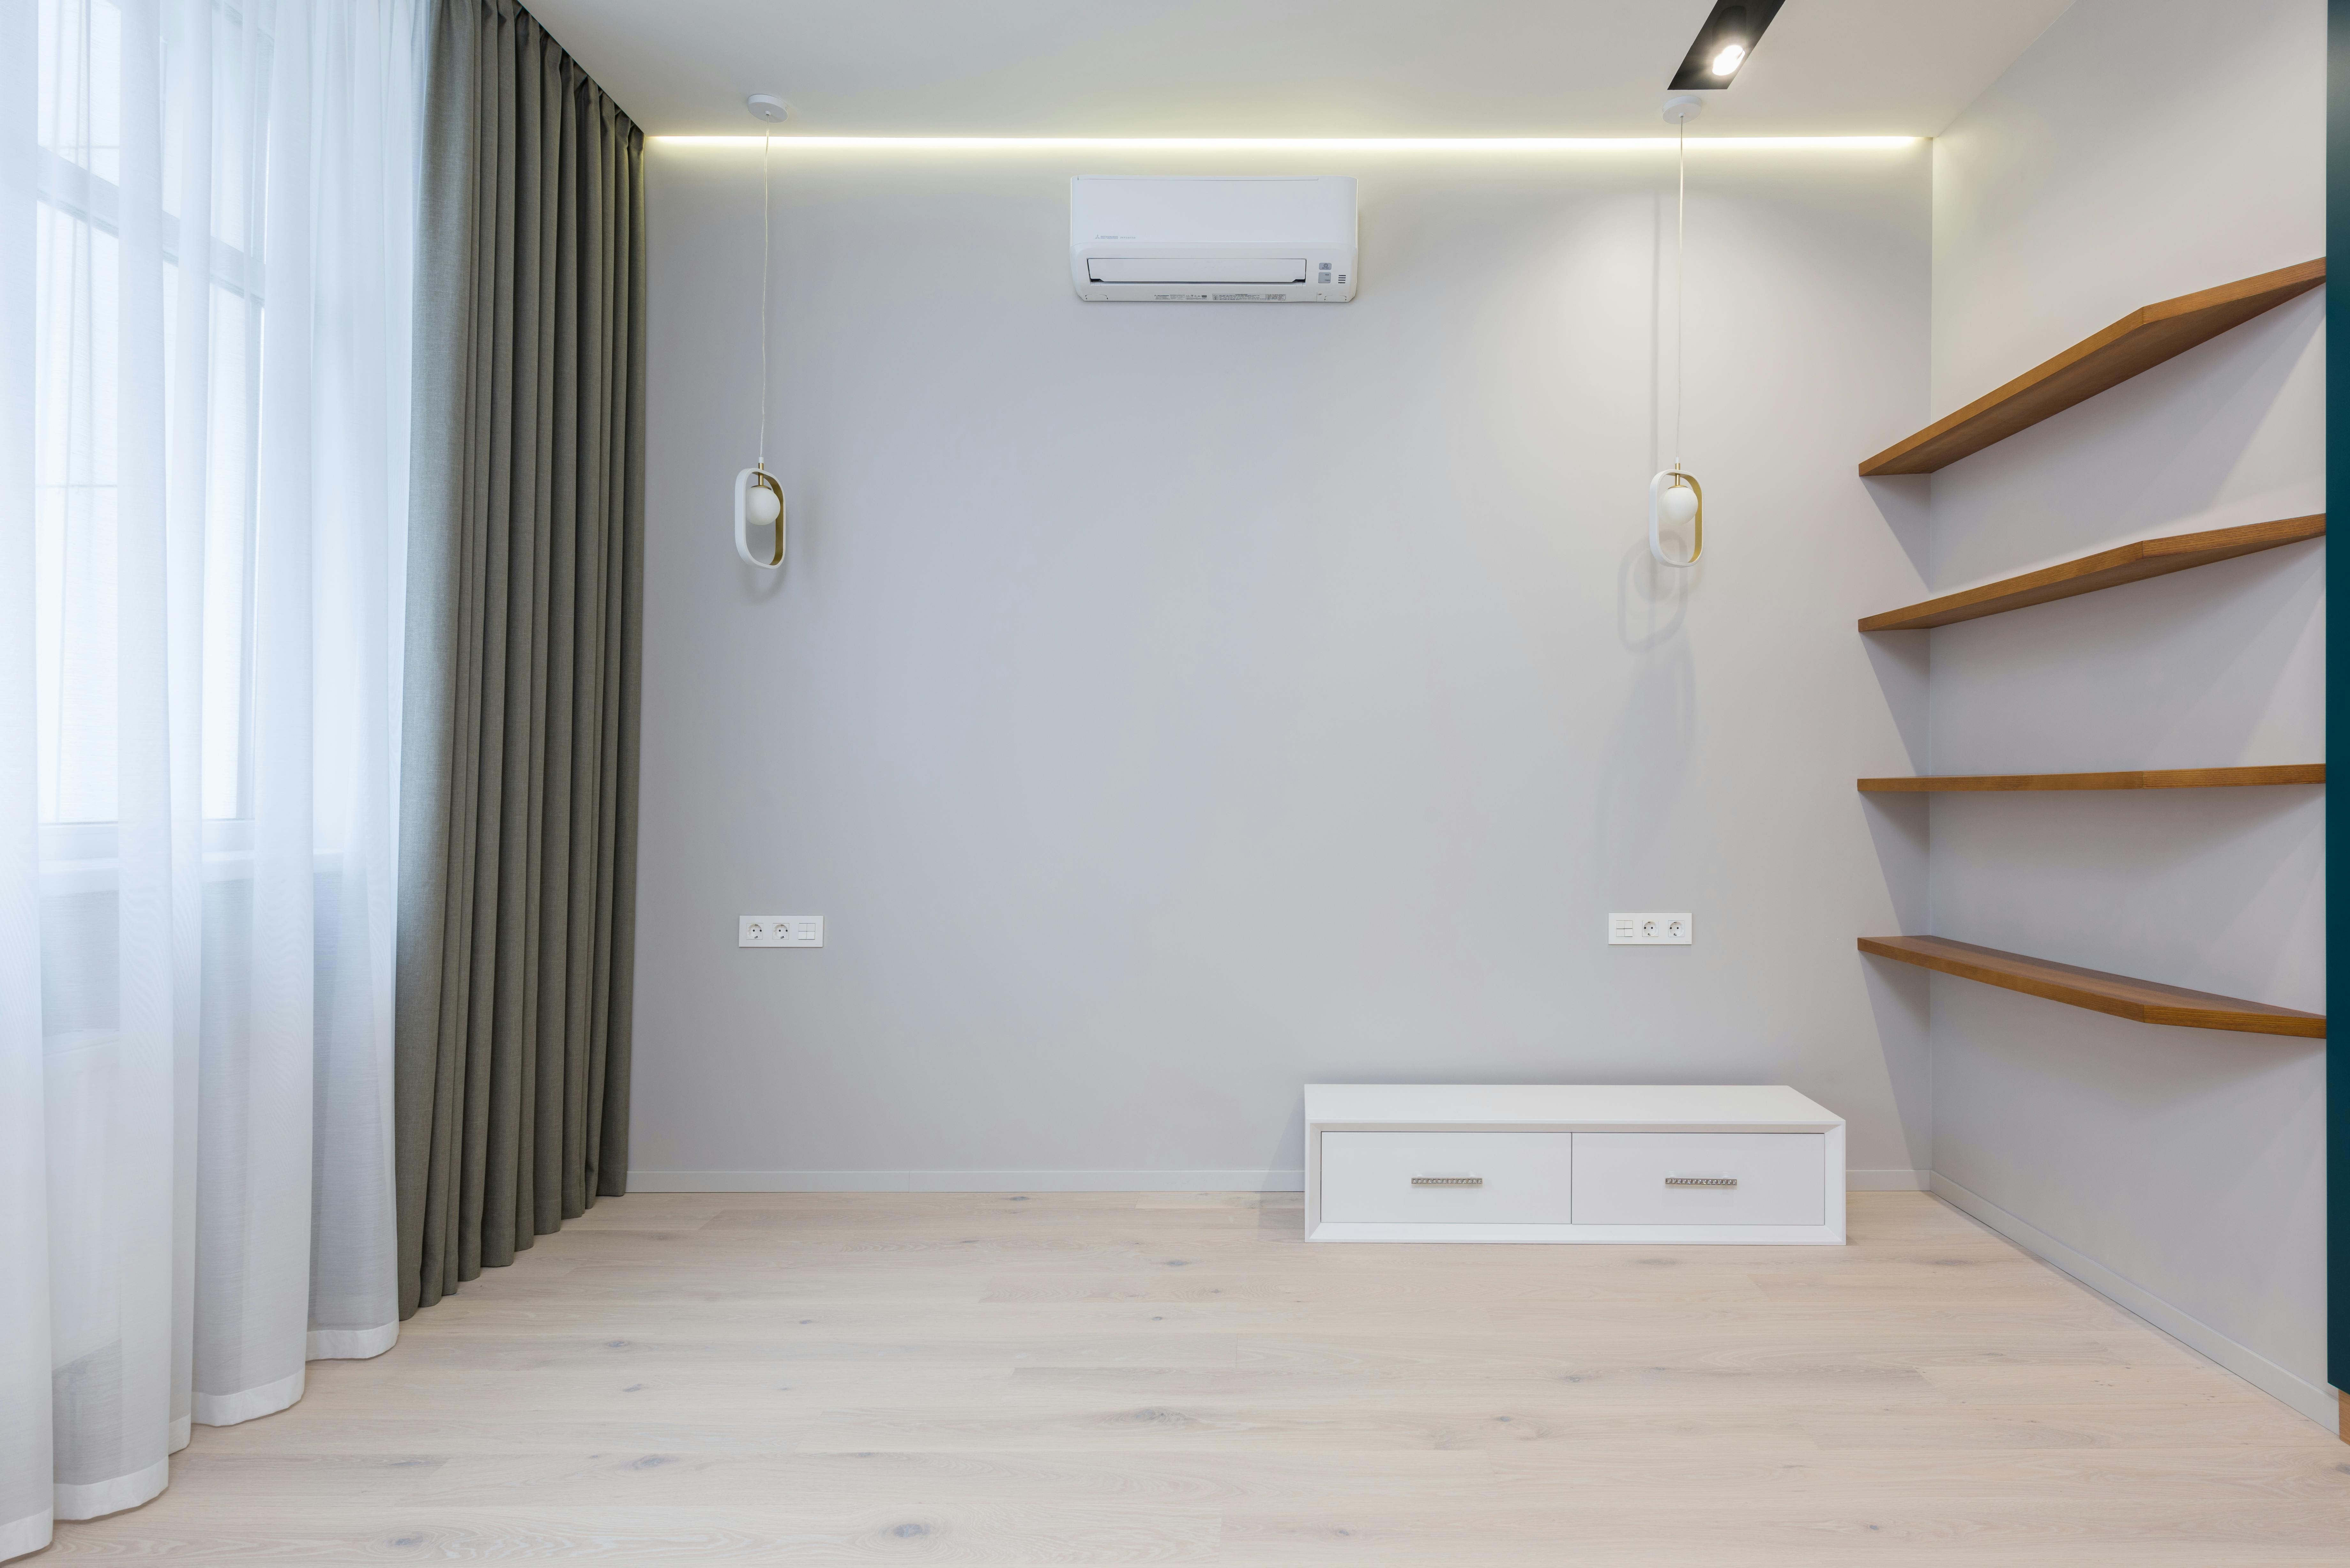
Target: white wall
[2138, 152]
[1170, 705]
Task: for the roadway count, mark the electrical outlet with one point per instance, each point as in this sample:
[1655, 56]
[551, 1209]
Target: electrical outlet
[779, 931]
[1650, 930]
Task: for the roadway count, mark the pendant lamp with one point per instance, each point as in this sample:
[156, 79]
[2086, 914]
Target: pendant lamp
[758, 496]
[1674, 497]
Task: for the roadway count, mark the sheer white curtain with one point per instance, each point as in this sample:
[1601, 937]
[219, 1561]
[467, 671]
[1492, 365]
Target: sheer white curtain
[206, 229]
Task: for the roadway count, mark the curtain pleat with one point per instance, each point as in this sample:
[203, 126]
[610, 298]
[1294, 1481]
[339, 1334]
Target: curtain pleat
[519, 733]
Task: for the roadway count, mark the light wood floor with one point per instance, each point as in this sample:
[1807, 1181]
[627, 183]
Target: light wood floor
[1170, 1378]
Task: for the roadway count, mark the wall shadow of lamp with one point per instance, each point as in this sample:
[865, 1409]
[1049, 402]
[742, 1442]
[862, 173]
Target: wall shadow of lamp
[1674, 497]
[758, 495]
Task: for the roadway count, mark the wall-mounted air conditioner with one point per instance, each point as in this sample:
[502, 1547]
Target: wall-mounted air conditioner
[1244, 240]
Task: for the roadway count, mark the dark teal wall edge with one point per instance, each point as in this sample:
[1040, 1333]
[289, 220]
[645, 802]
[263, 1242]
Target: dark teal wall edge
[2337, 707]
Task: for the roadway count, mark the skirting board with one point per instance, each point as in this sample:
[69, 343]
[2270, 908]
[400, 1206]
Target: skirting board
[2316, 1403]
[1064, 1180]
[967, 1181]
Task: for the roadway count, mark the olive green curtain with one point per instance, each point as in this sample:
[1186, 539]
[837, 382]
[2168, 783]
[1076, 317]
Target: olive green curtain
[518, 786]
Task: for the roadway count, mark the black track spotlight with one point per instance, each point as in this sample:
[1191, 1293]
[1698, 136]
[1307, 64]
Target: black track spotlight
[1723, 44]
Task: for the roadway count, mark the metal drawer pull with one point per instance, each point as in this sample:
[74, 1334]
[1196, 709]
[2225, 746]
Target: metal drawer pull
[1448, 1181]
[1701, 1181]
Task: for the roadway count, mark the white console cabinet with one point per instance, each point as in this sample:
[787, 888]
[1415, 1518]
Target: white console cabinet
[1554, 1162]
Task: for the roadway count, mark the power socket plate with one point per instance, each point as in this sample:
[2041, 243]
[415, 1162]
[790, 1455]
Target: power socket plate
[1651, 930]
[779, 931]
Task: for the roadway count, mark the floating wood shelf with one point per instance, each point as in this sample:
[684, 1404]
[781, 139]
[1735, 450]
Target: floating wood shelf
[2128, 563]
[2160, 778]
[2138, 341]
[2142, 1001]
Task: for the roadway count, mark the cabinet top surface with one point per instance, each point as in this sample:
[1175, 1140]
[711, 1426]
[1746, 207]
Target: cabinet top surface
[1695, 1106]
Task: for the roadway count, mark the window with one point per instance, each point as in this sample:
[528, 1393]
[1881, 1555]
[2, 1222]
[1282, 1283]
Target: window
[144, 471]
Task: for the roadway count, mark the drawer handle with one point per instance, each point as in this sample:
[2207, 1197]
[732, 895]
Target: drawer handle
[1448, 1181]
[1701, 1181]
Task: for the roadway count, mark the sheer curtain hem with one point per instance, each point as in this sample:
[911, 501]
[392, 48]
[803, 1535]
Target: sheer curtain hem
[29, 1533]
[181, 1431]
[113, 1496]
[353, 1344]
[246, 1404]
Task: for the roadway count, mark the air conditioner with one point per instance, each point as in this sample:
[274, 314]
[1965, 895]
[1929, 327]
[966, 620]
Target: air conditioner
[1245, 240]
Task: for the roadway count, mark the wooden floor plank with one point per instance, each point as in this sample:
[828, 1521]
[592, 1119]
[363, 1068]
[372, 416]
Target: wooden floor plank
[1097, 1379]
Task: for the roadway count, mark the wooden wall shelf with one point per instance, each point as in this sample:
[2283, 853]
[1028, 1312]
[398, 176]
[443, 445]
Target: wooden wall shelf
[2138, 341]
[2160, 778]
[2130, 563]
[2142, 1001]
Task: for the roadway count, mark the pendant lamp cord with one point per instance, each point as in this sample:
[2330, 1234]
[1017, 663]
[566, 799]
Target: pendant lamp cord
[1680, 250]
[765, 232]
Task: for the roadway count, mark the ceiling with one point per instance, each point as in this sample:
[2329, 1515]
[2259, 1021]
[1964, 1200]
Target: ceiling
[1280, 68]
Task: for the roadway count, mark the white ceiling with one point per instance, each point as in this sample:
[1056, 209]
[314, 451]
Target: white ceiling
[1280, 68]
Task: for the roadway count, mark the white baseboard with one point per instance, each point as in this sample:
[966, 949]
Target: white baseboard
[2316, 1403]
[1064, 1180]
[966, 1181]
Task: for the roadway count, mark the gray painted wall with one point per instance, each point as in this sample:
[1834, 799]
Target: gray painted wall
[2139, 151]
[1171, 705]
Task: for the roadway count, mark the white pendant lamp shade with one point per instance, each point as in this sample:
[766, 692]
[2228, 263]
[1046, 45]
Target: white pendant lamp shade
[758, 503]
[1676, 498]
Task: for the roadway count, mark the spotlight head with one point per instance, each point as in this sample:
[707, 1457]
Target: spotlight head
[1733, 32]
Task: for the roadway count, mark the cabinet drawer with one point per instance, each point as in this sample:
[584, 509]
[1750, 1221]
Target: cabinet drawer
[1677, 1178]
[1521, 1178]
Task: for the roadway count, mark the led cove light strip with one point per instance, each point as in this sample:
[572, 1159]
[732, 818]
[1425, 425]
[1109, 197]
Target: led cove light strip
[1335, 143]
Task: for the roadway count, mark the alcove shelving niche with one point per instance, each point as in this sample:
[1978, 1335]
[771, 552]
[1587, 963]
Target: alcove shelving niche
[2138, 342]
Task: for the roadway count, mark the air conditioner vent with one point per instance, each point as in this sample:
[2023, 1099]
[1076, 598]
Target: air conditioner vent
[1192, 240]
